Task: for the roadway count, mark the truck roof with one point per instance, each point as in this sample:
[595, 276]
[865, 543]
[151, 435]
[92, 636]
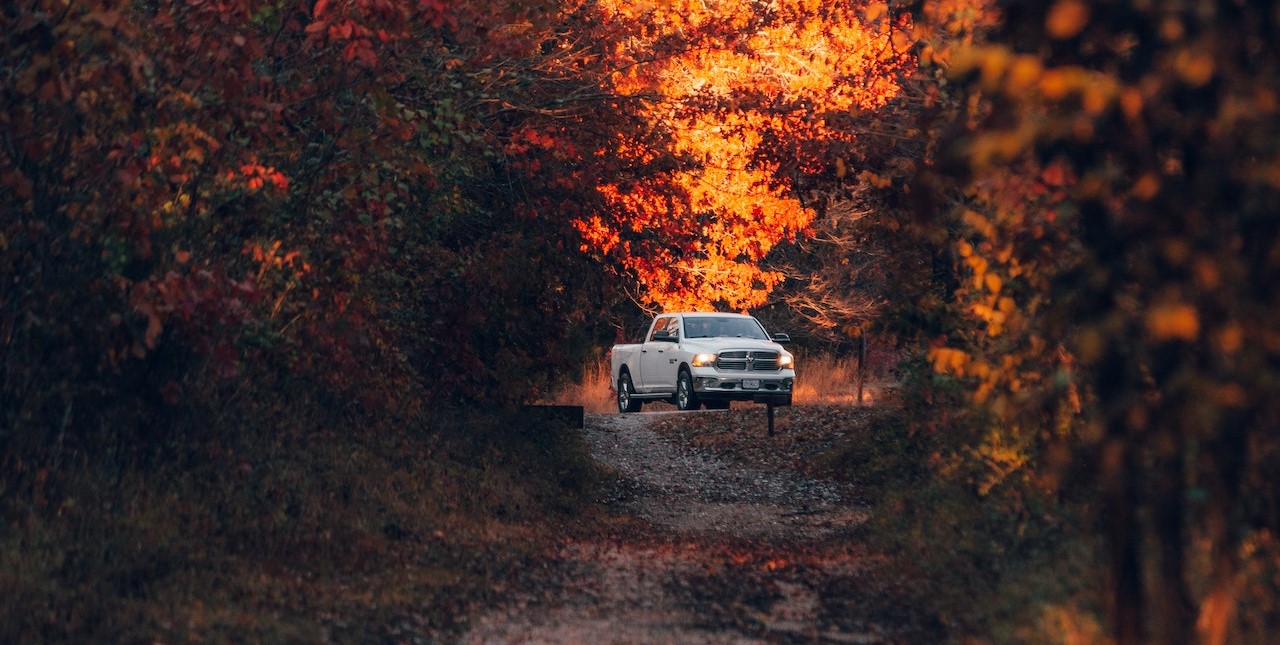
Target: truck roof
[704, 313]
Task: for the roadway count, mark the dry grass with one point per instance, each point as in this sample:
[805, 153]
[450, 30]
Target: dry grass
[592, 392]
[821, 380]
[827, 380]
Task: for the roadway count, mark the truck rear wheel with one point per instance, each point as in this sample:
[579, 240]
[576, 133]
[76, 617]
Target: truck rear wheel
[625, 402]
[685, 397]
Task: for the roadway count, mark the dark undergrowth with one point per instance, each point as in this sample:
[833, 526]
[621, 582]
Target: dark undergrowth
[300, 523]
[1003, 568]
[1021, 562]
[1015, 565]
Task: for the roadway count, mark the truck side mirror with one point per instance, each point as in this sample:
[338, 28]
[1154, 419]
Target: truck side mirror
[664, 336]
[781, 338]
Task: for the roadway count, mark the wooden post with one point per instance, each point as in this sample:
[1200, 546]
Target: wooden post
[772, 400]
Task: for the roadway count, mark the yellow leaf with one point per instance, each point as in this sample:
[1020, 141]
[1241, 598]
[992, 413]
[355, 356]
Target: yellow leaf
[993, 67]
[982, 393]
[901, 40]
[875, 11]
[980, 369]
[994, 283]
[948, 360]
[1131, 103]
[1195, 67]
[1066, 19]
[1172, 29]
[1055, 84]
[1176, 321]
[1023, 74]
[1146, 187]
[1097, 97]
[966, 59]
[1207, 275]
[979, 266]
[979, 223]
[1231, 338]
[1005, 253]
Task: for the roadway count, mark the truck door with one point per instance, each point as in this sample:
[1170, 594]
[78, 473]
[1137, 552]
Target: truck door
[657, 366]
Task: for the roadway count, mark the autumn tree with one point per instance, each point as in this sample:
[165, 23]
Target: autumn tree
[734, 97]
[1118, 238]
[347, 199]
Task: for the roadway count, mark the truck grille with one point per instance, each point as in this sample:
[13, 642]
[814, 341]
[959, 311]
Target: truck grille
[744, 361]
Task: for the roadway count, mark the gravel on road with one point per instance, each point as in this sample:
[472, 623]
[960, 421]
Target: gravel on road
[713, 550]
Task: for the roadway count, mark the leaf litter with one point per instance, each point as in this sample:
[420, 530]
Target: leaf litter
[719, 533]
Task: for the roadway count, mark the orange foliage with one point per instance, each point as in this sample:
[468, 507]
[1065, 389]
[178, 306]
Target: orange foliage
[739, 82]
[1117, 164]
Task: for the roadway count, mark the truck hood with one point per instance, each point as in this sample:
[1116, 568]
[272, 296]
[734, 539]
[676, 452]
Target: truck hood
[716, 345]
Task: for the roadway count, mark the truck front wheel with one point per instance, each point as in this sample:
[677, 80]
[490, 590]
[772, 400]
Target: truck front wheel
[625, 401]
[685, 398]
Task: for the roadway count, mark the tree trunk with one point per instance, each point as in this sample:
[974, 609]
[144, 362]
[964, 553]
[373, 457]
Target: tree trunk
[1169, 515]
[1226, 460]
[1120, 491]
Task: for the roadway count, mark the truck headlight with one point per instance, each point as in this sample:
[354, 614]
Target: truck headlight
[703, 360]
[787, 362]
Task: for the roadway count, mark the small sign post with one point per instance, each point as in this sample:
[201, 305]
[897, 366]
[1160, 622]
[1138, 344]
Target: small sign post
[772, 400]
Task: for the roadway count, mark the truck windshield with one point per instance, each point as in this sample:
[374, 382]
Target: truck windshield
[723, 326]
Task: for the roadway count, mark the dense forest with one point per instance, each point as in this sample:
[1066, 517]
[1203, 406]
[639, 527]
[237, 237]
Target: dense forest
[230, 222]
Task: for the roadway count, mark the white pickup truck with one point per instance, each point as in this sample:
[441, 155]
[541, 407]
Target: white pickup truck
[711, 359]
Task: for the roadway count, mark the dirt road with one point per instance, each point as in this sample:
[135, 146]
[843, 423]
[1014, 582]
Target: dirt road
[708, 549]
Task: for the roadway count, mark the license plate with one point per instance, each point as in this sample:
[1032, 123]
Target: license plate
[751, 384]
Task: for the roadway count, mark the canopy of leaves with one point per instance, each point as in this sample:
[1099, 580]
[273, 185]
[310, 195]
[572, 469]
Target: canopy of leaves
[734, 99]
[348, 191]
